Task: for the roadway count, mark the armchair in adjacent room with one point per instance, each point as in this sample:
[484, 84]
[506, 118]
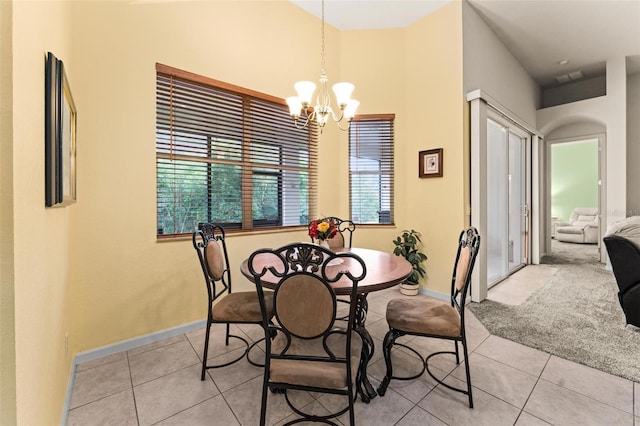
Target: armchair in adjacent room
[583, 227]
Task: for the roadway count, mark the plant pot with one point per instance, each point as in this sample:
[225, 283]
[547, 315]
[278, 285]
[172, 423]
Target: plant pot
[409, 289]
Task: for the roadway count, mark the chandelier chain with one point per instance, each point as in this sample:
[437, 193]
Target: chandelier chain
[322, 64]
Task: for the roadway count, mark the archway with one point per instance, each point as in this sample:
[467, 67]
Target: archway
[576, 144]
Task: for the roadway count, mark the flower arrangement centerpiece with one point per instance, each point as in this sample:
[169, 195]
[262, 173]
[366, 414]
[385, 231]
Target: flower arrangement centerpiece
[323, 229]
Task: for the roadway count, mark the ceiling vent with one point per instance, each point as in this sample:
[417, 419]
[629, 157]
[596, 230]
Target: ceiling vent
[572, 76]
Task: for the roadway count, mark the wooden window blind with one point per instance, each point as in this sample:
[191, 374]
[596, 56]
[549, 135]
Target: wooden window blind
[371, 169]
[229, 155]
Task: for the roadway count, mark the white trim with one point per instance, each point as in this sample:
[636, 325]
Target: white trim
[478, 127]
[434, 294]
[506, 113]
[535, 234]
[67, 399]
[125, 345]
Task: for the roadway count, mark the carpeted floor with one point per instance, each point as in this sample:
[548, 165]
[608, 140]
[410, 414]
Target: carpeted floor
[563, 253]
[574, 315]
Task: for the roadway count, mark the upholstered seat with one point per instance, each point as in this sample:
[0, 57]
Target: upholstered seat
[241, 306]
[315, 374]
[583, 227]
[425, 315]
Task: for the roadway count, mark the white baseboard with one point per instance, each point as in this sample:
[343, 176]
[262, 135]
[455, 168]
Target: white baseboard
[436, 294]
[135, 342]
[121, 347]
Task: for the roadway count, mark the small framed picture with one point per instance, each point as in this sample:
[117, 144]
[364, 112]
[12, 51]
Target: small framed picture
[430, 163]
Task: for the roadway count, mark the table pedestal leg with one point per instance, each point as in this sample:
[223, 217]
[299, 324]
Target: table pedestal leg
[365, 389]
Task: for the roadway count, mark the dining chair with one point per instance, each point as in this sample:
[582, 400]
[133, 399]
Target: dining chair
[425, 316]
[223, 305]
[344, 237]
[310, 351]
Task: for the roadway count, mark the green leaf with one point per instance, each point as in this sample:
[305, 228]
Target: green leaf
[407, 246]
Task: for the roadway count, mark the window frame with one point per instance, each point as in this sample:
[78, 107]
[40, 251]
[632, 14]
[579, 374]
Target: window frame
[247, 148]
[389, 160]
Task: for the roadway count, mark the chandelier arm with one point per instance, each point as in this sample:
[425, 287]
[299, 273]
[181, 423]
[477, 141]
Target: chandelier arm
[343, 128]
[310, 115]
[307, 117]
[335, 117]
[306, 123]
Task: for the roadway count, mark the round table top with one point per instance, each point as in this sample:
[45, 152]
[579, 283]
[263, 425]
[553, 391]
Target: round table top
[384, 270]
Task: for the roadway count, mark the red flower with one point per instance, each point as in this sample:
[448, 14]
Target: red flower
[323, 229]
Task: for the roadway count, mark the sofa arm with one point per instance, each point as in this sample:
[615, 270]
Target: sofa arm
[591, 233]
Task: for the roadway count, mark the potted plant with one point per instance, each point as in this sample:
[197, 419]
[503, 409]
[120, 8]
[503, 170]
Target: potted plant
[407, 247]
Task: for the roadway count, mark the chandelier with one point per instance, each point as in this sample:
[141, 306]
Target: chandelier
[300, 106]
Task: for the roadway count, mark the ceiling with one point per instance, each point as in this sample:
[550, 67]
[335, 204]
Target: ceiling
[539, 33]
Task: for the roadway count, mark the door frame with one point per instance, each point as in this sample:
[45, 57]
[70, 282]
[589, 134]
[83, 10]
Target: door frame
[479, 102]
[602, 184]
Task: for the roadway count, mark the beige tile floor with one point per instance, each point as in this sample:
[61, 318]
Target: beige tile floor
[159, 384]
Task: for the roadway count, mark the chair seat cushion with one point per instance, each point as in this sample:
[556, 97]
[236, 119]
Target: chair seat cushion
[424, 315]
[315, 373]
[242, 306]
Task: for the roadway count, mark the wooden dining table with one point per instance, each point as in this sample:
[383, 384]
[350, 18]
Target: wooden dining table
[384, 270]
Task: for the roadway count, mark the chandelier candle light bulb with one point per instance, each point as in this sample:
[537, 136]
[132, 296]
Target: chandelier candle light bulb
[300, 105]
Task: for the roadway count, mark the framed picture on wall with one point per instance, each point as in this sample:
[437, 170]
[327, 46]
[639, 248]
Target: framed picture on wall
[430, 163]
[60, 136]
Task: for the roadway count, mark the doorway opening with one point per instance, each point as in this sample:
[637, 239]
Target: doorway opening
[575, 200]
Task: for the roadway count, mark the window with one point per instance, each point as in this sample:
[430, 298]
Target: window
[371, 168]
[229, 155]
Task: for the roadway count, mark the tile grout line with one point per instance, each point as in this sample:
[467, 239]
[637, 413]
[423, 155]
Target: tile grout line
[181, 369]
[592, 398]
[133, 393]
[192, 406]
[214, 382]
[108, 395]
[531, 393]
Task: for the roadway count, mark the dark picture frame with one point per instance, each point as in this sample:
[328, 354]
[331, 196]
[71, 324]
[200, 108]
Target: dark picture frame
[430, 163]
[60, 136]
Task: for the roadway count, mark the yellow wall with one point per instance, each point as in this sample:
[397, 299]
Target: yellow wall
[7, 313]
[380, 88]
[416, 73]
[95, 268]
[125, 283]
[42, 260]
[435, 206]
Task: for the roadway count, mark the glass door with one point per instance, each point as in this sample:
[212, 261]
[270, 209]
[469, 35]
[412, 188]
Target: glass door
[507, 211]
[518, 209]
